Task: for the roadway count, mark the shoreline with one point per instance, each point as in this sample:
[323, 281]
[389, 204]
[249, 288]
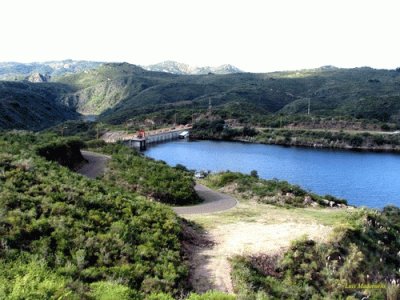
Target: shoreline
[342, 147]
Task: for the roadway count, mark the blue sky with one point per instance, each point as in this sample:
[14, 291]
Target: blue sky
[254, 35]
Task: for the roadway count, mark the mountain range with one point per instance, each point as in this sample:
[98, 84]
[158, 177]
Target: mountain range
[15, 70]
[121, 92]
[174, 67]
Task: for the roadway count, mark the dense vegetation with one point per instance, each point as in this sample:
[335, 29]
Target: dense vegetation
[363, 253]
[218, 129]
[330, 139]
[67, 237]
[274, 191]
[66, 152]
[155, 179]
[318, 138]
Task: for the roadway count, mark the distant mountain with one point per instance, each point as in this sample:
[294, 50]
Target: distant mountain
[15, 70]
[174, 67]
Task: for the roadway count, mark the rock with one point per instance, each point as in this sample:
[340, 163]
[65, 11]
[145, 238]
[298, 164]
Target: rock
[37, 77]
[331, 203]
[314, 204]
[307, 200]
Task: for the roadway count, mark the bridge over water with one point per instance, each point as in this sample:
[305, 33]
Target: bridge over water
[141, 140]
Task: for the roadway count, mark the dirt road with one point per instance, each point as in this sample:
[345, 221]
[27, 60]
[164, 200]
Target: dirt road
[210, 266]
[96, 164]
[213, 201]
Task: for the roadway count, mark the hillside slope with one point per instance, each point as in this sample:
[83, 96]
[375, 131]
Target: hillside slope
[33, 106]
[121, 92]
[67, 237]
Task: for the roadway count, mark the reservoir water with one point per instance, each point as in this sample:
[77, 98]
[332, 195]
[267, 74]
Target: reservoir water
[363, 178]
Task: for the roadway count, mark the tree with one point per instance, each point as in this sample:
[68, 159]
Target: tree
[254, 173]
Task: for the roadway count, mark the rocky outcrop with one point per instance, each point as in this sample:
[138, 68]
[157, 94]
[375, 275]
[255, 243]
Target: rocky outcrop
[37, 77]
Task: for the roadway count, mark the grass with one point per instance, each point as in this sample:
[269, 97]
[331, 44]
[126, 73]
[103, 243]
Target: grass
[251, 211]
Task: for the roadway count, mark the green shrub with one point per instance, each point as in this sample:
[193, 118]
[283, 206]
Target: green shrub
[362, 252]
[83, 230]
[95, 144]
[272, 191]
[155, 179]
[105, 290]
[159, 296]
[211, 295]
[32, 280]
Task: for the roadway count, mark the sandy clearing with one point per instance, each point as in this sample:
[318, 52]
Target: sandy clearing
[210, 265]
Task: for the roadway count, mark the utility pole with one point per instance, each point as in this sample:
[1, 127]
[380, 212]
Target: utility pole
[308, 110]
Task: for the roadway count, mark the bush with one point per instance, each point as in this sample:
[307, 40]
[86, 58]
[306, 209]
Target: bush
[254, 173]
[273, 191]
[31, 280]
[362, 252]
[159, 296]
[105, 290]
[79, 231]
[148, 177]
[211, 295]
[65, 152]
[95, 144]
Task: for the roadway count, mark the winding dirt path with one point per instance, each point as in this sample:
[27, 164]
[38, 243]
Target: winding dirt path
[210, 266]
[213, 201]
[96, 164]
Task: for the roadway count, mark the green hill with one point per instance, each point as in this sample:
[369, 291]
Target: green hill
[119, 92]
[34, 106]
[122, 91]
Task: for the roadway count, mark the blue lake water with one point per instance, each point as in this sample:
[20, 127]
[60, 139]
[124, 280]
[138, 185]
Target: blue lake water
[363, 178]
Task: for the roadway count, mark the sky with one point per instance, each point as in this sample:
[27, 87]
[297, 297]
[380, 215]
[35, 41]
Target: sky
[253, 35]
